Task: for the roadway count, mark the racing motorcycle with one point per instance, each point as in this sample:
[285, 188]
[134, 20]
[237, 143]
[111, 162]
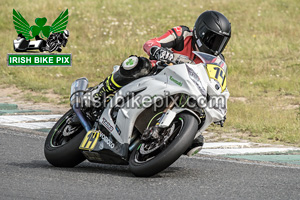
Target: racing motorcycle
[148, 124]
[56, 41]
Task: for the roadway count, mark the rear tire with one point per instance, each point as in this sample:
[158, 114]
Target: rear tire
[171, 153]
[63, 151]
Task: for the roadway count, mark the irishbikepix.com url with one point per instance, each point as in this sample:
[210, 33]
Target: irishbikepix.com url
[130, 101]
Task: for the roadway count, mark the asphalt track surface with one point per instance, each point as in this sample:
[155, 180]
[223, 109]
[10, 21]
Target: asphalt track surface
[25, 174]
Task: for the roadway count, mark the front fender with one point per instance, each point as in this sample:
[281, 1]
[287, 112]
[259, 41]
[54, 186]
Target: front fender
[168, 118]
[179, 110]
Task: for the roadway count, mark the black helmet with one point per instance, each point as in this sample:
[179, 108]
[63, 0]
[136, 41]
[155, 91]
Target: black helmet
[211, 32]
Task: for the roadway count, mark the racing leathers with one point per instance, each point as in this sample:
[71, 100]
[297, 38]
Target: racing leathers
[179, 39]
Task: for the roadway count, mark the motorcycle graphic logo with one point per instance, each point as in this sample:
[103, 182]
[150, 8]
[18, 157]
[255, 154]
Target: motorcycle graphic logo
[107, 125]
[47, 38]
[42, 38]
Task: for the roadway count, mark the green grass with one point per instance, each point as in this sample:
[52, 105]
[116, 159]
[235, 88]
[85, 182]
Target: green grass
[35, 98]
[262, 55]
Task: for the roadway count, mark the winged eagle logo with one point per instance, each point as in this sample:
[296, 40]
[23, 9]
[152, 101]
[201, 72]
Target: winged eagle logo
[29, 32]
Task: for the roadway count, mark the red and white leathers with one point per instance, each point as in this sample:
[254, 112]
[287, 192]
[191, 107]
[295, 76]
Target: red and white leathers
[179, 39]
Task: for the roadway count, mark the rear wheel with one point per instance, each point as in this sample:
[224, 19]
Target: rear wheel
[62, 143]
[150, 157]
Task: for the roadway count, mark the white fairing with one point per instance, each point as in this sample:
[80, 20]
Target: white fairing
[17, 43]
[32, 44]
[174, 80]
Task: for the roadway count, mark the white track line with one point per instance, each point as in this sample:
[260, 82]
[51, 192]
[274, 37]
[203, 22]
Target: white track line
[27, 118]
[246, 150]
[32, 125]
[29, 121]
[226, 148]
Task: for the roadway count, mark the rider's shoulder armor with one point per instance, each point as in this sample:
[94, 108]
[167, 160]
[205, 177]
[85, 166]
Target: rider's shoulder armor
[181, 33]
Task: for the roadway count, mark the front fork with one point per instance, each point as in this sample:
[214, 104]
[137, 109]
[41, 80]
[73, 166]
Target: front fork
[164, 122]
[153, 132]
[82, 119]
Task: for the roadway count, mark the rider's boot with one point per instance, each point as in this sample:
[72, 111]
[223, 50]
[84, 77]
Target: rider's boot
[105, 88]
[95, 97]
[195, 147]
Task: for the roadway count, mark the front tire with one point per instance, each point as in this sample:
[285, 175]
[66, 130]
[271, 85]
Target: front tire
[63, 151]
[168, 155]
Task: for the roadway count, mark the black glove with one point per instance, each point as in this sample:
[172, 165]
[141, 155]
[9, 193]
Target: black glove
[221, 123]
[161, 54]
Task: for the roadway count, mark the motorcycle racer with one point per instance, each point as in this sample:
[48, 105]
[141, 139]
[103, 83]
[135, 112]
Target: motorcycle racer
[56, 40]
[210, 34]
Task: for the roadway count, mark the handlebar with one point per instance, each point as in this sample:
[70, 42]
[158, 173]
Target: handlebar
[179, 59]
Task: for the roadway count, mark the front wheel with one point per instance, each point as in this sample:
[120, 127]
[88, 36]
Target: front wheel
[52, 46]
[149, 159]
[62, 143]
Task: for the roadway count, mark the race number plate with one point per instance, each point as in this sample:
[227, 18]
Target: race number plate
[217, 73]
[90, 140]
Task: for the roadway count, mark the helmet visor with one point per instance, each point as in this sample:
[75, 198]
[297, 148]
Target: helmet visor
[212, 40]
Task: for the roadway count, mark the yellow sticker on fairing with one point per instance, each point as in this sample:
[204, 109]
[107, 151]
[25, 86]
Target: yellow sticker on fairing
[217, 73]
[90, 140]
